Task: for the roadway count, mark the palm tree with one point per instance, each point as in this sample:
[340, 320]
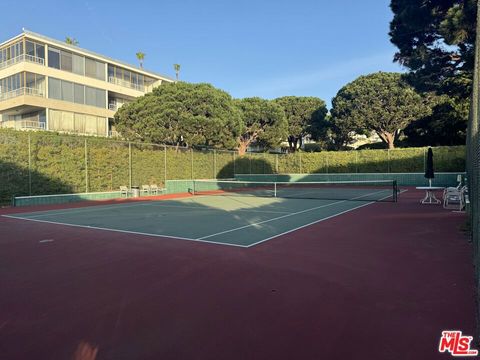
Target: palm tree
[71, 41]
[176, 67]
[140, 57]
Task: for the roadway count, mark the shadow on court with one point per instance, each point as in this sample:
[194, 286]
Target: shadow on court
[398, 273]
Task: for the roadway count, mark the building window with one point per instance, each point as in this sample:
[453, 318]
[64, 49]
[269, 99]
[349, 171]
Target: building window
[78, 64]
[76, 93]
[66, 61]
[94, 69]
[54, 88]
[67, 91]
[79, 94]
[53, 58]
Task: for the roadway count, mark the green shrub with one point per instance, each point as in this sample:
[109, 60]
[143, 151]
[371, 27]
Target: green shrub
[57, 163]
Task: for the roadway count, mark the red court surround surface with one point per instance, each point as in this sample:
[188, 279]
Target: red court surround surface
[380, 282]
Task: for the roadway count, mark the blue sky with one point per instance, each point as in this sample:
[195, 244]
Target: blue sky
[248, 48]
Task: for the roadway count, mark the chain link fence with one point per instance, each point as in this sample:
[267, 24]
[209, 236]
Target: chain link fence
[38, 163]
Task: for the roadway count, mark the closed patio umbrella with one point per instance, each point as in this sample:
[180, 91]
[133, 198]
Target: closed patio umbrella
[429, 173]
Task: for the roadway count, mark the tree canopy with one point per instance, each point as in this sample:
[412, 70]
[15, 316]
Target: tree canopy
[435, 41]
[305, 116]
[380, 102]
[182, 114]
[264, 123]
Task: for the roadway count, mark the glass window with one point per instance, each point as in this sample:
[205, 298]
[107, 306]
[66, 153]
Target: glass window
[90, 96]
[67, 91]
[30, 48]
[100, 70]
[90, 67]
[119, 73]
[40, 51]
[101, 98]
[126, 75]
[54, 89]
[66, 61]
[30, 80]
[111, 71]
[53, 58]
[79, 94]
[78, 64]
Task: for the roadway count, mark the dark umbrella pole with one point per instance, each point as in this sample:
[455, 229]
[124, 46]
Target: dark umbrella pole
[429, 173]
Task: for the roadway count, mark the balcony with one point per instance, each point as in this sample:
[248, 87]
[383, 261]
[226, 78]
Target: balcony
[20, 92]
[128, 84]
[22, 58]
[32, 124]
[112, 106]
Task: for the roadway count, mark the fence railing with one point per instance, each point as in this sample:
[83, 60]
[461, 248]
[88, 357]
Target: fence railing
[21, 58]
[20, 92]
[121, 82]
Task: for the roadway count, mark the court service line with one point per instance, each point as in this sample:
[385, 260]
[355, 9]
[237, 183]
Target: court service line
[122, 231]
[207, 207]
[285, 216]
[317, 221]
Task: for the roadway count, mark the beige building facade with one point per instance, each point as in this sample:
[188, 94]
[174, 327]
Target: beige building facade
[47, 84]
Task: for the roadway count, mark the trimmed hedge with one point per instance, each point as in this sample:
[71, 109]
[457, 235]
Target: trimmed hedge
[72, 164]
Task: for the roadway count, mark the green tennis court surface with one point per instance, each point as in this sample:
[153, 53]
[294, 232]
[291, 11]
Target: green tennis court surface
[243, 219]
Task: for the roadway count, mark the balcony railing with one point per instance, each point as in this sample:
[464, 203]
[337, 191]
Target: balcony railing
[117, 81]
[20, 92]
[112, 107]
[23, 124]
[21, 58]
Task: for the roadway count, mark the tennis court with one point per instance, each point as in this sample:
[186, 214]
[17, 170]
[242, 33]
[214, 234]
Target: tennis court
[237, 213]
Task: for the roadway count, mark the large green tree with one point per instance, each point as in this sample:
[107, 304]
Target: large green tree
[182, 113]
[381, 102]
[444, 126]
[435, 42]
[305, 116]
[264, 123]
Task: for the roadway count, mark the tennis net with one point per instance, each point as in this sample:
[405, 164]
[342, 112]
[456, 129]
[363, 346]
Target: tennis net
[378, 190]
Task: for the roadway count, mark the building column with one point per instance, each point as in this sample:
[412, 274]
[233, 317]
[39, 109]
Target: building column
[47, 115]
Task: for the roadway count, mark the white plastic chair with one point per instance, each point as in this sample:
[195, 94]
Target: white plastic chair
[454, 199]
[124, 191]
[146, 189]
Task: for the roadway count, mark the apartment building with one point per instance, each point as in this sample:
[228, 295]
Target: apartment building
[47, 84]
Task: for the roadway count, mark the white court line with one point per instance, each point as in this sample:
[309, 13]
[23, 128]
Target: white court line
[287, 215]
[208, 207]
[317, 221]
[122, 231]
[199, 239]
[147, 203]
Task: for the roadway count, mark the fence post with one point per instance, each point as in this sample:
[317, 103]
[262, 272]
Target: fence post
[86, 166]
[165, 165]
[388, 161]
[129, 164]
[356, 161]
[191, 161]
[214, 164]
[276, 163]
[234, 164]
[29, 166]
